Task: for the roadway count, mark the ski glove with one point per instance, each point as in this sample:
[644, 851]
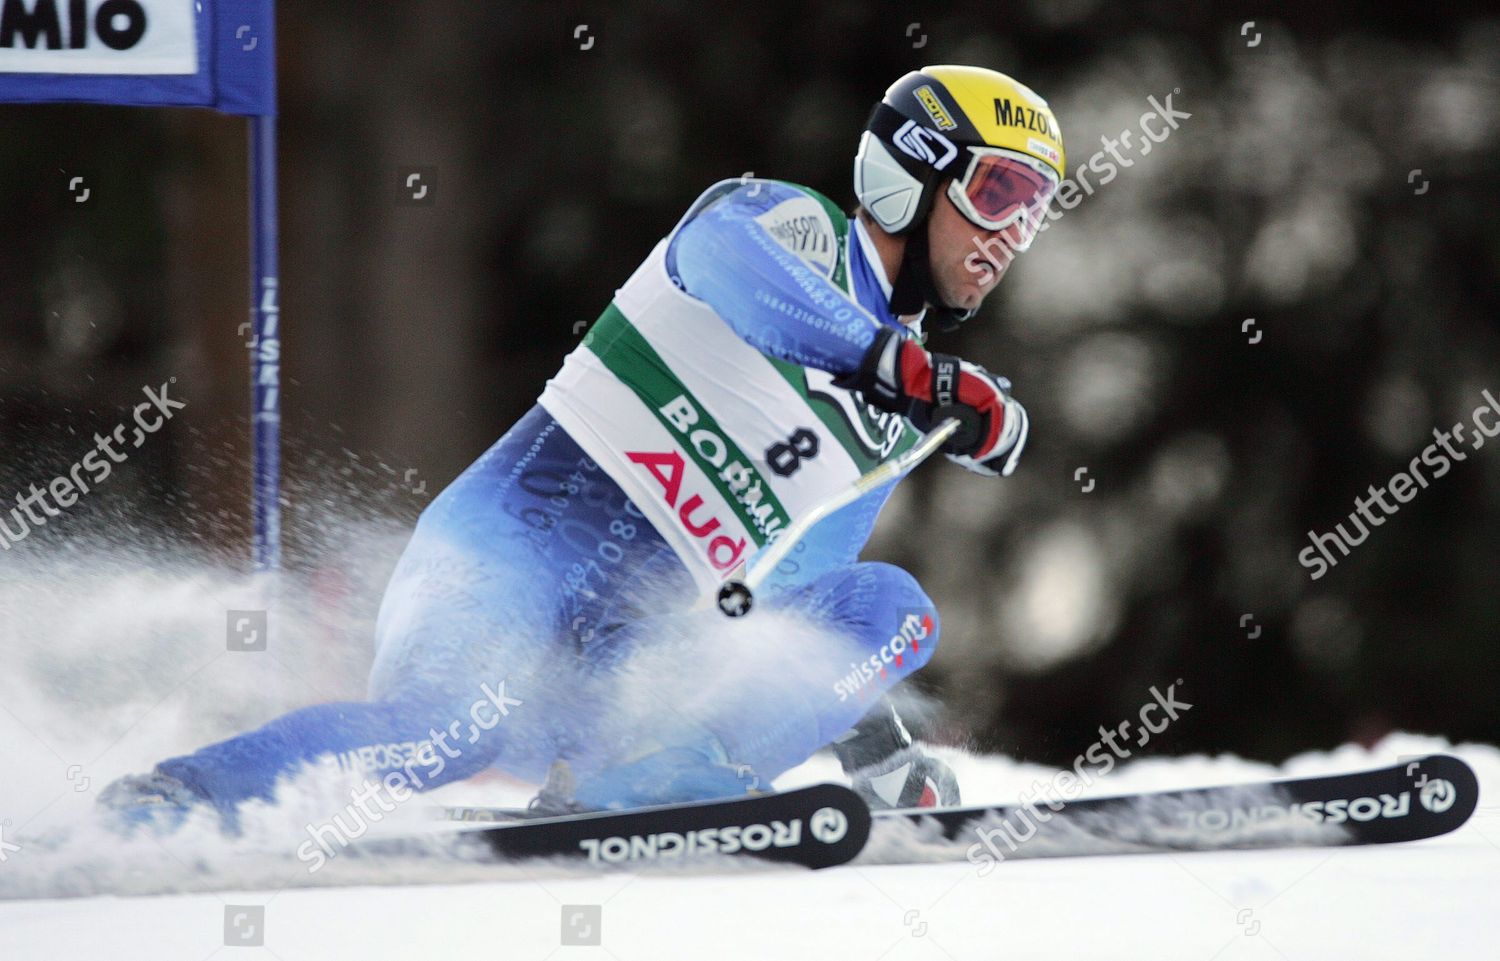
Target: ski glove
[897, 375]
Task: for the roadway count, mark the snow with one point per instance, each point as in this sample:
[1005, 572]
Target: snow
[1422, 900]
[97, 683]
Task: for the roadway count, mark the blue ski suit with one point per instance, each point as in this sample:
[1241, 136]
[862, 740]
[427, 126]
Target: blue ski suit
[537, 615]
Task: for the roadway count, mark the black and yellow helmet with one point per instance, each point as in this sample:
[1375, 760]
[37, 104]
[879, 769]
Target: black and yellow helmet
[988, 141]
[956, 125]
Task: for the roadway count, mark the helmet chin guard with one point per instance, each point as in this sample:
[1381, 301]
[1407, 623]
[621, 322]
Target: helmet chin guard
[893, 197]
[899, 167]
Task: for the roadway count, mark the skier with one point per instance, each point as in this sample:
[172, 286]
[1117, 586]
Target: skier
[766, 353]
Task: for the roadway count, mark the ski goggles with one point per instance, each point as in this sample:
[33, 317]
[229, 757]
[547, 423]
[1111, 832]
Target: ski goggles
[1004, 190]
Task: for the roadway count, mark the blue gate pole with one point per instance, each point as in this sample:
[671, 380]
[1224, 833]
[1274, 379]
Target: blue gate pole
[265, 349]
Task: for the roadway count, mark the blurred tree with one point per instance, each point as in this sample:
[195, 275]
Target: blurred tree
[563, 142]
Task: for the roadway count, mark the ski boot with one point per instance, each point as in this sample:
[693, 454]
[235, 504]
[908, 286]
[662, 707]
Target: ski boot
[888, 770]
[555, 799]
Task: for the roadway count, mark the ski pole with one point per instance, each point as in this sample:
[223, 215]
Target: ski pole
[737, 595]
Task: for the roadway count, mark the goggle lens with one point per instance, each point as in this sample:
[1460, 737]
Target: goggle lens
[1001, 191]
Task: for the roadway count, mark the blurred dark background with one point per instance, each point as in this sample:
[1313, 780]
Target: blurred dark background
[1335, 183]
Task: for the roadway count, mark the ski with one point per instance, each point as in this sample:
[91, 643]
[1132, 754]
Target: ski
[818, 826]
[1423, 798]
[827, 825]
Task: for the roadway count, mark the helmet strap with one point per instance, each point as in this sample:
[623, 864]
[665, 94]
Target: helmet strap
[909, 293]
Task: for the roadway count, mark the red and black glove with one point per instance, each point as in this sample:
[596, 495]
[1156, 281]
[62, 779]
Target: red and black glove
[897, 375]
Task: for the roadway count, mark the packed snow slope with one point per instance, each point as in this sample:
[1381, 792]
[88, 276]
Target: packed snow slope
[112, 660]
[1431, 899]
